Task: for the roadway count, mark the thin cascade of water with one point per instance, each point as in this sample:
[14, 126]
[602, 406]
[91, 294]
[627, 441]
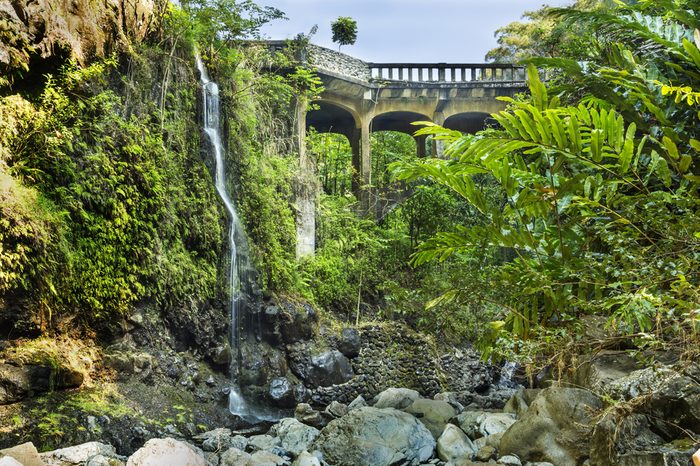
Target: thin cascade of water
[210, 89]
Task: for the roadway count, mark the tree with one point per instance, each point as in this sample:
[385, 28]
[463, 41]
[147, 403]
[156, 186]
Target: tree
[344, 31]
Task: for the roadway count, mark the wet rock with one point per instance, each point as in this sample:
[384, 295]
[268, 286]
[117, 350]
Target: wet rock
[557, 427]
[26, 454]
[375, 437]
[328, 368]
[294, 322]
[453, 445]
[281, 392]
[158, 452]
[294, 436]
[221, 355]
[350, 342]
[398, 398]
[434, 414]
[79, 454]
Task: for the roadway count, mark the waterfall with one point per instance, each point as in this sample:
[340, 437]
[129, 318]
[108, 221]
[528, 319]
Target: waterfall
[210, 90]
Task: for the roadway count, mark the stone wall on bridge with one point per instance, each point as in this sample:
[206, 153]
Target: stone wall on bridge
[338, 63]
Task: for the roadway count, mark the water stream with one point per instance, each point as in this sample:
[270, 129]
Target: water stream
[210, 89]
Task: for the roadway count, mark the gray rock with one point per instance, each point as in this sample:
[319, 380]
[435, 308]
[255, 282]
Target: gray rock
[336, 409]
[265, 458]
[398, 398]
[375, 437]
[350, 342]
[215, 440]
[557, 427]
[158, 452]
[234, 457]
[101, 460]
[306, 459]
[451, 398]
[294, 436]
[358, 402]
[17, 383]
[454, 445]
[520, 401]
[264, 442]
[435, 414]
[79, 454]
[510, 460]
[281, 392]
[495, 423]
[222, 355]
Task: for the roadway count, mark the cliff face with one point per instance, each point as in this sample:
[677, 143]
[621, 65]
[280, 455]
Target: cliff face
[85, 28]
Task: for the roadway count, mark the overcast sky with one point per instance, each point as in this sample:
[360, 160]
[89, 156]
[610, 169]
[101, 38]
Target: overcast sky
[406, 30]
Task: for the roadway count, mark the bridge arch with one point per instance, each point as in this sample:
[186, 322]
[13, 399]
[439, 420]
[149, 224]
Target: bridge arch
[467, 122]
[400, 121]
[332, 117]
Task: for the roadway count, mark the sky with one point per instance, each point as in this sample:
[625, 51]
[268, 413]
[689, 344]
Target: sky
[457, 31]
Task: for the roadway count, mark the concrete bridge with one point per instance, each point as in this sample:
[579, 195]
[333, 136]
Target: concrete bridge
[360, 98]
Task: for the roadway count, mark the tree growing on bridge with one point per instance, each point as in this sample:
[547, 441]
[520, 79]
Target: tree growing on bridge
[344, 31]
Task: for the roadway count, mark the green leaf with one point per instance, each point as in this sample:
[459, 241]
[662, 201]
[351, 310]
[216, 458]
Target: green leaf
[671, 148]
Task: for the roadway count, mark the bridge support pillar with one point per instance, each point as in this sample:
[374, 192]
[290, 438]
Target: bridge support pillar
[362, 166]
[439, 146]
[306, 188]
[420, 146]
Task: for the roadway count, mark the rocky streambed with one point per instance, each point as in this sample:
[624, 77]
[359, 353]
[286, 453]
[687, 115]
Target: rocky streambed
[625, 416]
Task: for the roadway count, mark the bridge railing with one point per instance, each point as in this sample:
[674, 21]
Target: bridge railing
[447, 72]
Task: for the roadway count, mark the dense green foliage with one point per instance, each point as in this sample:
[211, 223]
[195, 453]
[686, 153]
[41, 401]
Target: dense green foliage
[597, 185]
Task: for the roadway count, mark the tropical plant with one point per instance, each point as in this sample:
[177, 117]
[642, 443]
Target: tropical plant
[600, 199]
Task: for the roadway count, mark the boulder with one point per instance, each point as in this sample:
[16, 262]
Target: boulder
[19, 382]
[434, 414]
[336, 410]
[234, 457]
[159, 452]
[510, 460]
[294, 436]
[265, 458]
[520, 401]
[375, 437]
[263, 442]
[495, 423]
[454, 445]
[485, 453]
[557, 427]
[358, 402]
[329, 368]
[306, 459]
[25, 453]
[215, 440]
[309, 416]
[10, 461]
[79, 454]
[350, 342]
[281, 392]
[398, 398]
[452, 398]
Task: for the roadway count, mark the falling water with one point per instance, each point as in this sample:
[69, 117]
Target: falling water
[210, 100]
